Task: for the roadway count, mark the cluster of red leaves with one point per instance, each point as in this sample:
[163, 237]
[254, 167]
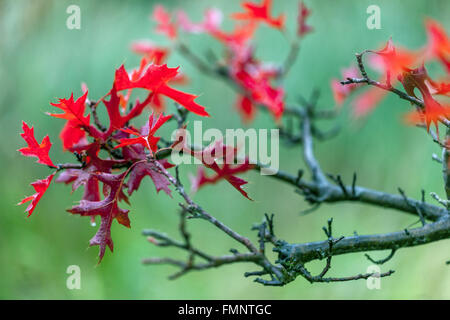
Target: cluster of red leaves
[84, 138]
[39, 151]
[433, 111]
[260, 12]
[218, 157]
[109, 178]
[255, 78]
[406, 66]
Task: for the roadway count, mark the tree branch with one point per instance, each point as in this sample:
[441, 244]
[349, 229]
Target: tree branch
[306, 252]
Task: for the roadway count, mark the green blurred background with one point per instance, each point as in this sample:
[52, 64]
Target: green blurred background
[40, 59]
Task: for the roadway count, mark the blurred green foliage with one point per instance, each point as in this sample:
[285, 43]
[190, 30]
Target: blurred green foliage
[40, 59]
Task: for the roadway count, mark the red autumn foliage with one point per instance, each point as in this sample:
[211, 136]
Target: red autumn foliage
[155, 79]
[303, 14]
[260, 13]
[83, 138]
[150, 51]
[165, 24]
[210, 24]
[253, 76]
[73, 110]
[40, 186]
[211, 158]
[108, 209]
[433, 111]
[396, 63]
[35, 149]
[114, 160]
[438, 46]
[148, 140]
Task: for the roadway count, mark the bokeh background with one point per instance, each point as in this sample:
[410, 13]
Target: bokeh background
[40, 60]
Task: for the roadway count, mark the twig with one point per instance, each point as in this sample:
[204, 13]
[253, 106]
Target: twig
[382, 261]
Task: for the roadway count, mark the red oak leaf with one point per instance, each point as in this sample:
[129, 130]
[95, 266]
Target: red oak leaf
[260, 12]
[151, 79]
[157, 55]
[433, 111]
[262, 92]
[303, 14]
[150, 51]
[107, 209]
[240, 35]
[155, 79]
[86, 177]
[226, 172]
[134, 75]
[116, 119]
[35, 149]
[71, 134]
[73, 110]
[415, 78]
[246, 108]
[143, 169]
[149, 141]
[210, 158]
[40, 186]
[164, 22]
[442, 88]
[139, 171]
[254, 77]
[438, 43]
[393, 60]
[80, 177]
[211, 21]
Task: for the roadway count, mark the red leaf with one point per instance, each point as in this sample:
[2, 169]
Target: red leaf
[116, 119]
[226, 172]
[40, 186]
[71, 134]
[35, 149]
[73, 110]
[246, 108]
[442, 88]
[143, 169]
[139, 171]
[165, 25]
[107, 209]
[149, 141]
[238, 37]
[86, 176]
[261, 91]
[438, 43]
[433, 111]
[184, 99]
[150, 51]
[155, 79]
[211, 21]
[393, 60]
[260, 12]
[303, 14]
[209, 157]
[151, 79]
